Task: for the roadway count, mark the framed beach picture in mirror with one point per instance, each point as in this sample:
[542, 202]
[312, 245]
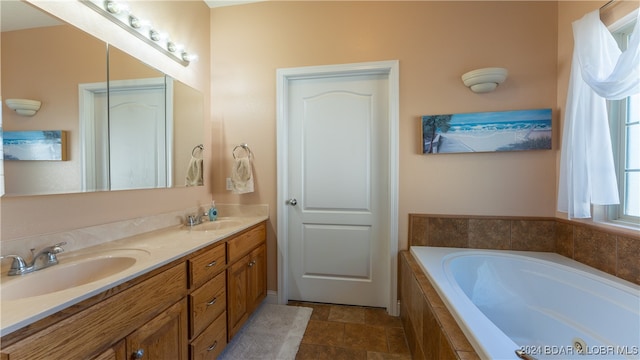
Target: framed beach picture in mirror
[516, 130]
[35, 145]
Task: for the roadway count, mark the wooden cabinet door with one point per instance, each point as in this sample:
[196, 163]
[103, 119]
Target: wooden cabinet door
[116, 352]
[237, 310]
[257, 277]
[164, 337]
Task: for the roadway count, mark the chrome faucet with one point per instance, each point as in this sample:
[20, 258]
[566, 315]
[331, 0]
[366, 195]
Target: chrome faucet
[18, 266]
[41, 260]
[48, 256]
[195, 219]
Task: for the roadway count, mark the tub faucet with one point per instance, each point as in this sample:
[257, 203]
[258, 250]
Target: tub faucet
[48, 256]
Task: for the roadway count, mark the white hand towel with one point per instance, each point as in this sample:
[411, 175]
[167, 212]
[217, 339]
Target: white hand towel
[241, 176]
[194, 172]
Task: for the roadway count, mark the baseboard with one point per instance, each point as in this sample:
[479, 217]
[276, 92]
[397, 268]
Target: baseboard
[272, 297]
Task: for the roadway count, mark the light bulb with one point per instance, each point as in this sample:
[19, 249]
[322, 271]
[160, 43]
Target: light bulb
[134, 22]
[154, 35]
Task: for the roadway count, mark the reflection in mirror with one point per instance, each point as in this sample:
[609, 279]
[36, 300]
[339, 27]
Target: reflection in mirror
[188, 112]
[155, 122]
[141, 142]
[127, 147]
[45, 59]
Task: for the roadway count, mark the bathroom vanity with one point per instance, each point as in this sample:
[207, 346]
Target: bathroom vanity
[185, 300]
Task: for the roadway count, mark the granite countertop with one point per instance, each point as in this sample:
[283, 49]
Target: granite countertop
[152, 250]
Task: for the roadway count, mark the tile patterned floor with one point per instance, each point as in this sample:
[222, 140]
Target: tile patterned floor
[352, 332]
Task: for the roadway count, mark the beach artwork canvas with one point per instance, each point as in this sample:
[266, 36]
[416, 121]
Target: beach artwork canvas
[35, 145]
[487, 131]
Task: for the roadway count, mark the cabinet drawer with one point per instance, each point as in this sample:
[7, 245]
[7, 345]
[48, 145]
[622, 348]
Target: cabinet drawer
[206, 265]
[212, 341]
[243, 243]
[207, 303]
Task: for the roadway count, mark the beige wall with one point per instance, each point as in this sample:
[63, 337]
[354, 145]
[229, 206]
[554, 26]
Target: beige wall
[188, 22]
[435, 42]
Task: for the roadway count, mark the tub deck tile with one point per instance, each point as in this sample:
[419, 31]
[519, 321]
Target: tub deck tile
[489, 234]
[467, 355]
[533, 235]
[449, 232]
[595, 248]
[628, 266]
[451, 330]
[441, 337]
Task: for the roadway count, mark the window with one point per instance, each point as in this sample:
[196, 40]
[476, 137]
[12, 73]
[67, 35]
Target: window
[624, 119]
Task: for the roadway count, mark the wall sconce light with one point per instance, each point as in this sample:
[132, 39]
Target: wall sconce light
[120, 14]
[24, 107]
[484, 80]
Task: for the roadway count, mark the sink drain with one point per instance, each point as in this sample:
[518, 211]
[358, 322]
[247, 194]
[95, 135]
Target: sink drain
[580, 346]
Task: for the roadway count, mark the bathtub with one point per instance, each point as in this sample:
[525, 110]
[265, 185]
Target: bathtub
[542, 304]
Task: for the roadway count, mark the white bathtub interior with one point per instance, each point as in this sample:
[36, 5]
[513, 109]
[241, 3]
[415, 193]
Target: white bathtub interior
[539, 302]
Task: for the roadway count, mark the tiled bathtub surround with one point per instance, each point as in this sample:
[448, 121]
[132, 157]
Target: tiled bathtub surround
[616, 253]
[431, 331]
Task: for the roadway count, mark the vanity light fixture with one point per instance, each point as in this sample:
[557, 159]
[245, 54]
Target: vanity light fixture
[119, 13]
[24, 107]
[484, 80]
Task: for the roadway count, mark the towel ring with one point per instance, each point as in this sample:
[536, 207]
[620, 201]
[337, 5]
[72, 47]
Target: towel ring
[197, 147]
[244, 147]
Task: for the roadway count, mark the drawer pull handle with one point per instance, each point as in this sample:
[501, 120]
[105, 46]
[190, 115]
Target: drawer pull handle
[251, 263]
[212, 301]
[210, 348]
[213, 263]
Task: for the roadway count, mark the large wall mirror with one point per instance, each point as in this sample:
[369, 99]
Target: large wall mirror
[127, 125]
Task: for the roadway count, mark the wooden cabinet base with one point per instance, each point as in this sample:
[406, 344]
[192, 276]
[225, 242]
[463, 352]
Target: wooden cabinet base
[205, 297]
[93, 331]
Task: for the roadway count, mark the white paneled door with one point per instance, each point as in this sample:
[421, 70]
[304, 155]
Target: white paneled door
[137, 140]
[130, 145]
[338, 199]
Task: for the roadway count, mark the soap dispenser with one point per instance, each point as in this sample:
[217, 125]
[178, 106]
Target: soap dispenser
[213, 212]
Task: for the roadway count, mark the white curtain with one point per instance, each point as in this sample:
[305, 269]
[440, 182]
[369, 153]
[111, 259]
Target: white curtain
[599, 71]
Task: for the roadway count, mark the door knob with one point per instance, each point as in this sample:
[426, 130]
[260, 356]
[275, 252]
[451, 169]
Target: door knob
[138, 354]
[292, 202]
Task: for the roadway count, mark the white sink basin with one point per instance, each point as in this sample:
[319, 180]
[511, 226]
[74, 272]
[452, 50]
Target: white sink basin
[69, 273]
[220, 224]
